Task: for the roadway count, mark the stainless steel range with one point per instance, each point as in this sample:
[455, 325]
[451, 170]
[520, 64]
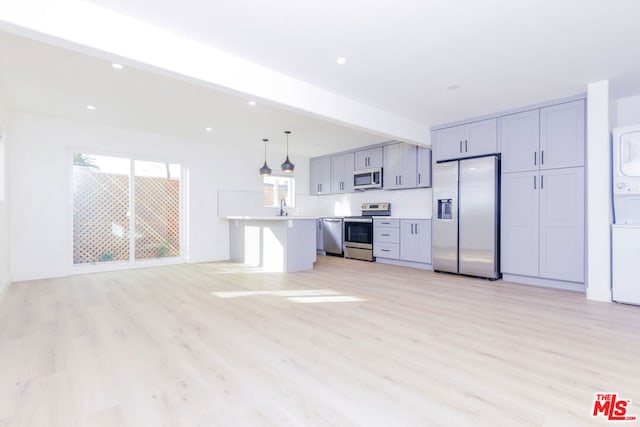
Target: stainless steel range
[358, 231]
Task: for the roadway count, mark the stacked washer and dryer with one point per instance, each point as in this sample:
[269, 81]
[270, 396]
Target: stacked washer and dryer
[626, 224]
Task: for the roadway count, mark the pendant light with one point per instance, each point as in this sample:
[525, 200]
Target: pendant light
[287, 166]
[265, 170]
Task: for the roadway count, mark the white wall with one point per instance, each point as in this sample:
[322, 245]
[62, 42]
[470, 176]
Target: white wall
[5, 277]
[40, 185]
[627, 111]
[598, 194]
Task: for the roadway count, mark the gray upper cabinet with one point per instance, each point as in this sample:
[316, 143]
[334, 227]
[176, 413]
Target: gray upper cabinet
[448, 143]
[541, 139]
[400, 166]
[320, 176]
[342, 173]
[370, 158]
[562, 135]
[520, 141]
[423, 179]
[472, 139]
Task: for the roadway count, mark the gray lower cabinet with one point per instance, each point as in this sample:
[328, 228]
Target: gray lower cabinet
[402, 239]
[415, 240]
[320, 175]
[342, 173]
[542, 224]
[386, 238]
[319, 236]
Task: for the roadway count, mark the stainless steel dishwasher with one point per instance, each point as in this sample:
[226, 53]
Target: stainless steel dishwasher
[332, 236]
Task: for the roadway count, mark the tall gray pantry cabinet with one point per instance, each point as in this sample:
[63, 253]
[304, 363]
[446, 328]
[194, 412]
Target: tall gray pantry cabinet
[542, 206]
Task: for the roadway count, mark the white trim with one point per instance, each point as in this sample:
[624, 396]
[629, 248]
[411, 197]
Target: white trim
[546, 283]
[402, 263]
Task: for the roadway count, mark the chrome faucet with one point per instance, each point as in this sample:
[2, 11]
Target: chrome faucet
[282, 204]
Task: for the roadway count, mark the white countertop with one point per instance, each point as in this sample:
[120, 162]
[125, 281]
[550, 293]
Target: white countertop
[271, 218]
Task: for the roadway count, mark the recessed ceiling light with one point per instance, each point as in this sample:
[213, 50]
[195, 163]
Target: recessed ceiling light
[453, 87]
[252, 103]
[117, 66]
[341, 60]
[208, 129]
[91, 107]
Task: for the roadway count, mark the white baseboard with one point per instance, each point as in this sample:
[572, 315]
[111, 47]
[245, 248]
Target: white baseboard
[4, 287]
[547, 283]
[404, 263]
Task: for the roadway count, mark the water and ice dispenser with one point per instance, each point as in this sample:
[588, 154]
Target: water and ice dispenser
[445, 209]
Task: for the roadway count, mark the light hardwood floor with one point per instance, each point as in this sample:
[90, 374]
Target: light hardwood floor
[175, 346]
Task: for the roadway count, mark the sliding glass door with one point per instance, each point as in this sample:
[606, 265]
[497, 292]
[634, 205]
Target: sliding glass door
[125, 210]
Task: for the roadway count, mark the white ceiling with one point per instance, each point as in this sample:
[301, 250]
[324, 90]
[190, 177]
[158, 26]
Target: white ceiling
[402, 57]
[39, 78]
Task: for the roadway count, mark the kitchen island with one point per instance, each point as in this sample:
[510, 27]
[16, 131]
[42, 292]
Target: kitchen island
[276, 244]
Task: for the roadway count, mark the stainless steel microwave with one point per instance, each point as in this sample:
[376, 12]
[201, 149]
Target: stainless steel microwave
[367, 178]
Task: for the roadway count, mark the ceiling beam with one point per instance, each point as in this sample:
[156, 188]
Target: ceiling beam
[84, 26]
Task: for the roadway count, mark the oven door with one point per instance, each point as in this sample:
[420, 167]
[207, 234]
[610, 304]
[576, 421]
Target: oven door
[358, 232]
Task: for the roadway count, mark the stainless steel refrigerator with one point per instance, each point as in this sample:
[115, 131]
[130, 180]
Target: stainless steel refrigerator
[466, 216]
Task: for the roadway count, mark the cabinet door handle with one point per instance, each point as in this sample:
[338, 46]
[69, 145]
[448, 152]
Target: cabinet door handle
[400, 177]
[542, 182]
[534, 183]
[411, 228]
[385, 250]
[466, 150]
[461, 146]
[419, 178]
[416, 228]
[386, 235]
[535, 158]
[542, 157]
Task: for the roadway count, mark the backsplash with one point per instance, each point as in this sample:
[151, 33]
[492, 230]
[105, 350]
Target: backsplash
[412, 203]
